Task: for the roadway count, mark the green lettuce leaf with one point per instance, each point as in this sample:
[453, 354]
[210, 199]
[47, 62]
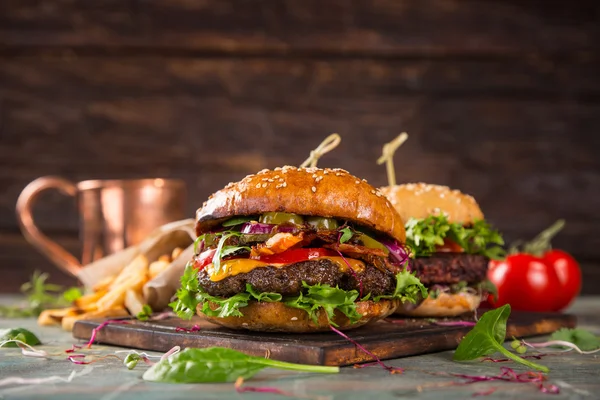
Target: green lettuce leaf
[583, 339]
[408, 288]
[424, 235]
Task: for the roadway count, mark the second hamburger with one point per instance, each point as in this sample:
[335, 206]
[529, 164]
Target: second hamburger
[451, 244]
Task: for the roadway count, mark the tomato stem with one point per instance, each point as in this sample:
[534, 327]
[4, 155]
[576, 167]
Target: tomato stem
[542, 242]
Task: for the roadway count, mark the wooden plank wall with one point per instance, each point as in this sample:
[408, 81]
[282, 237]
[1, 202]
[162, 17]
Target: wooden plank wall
[501, 99]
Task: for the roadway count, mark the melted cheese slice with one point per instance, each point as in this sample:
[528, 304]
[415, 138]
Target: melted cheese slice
[245, 265]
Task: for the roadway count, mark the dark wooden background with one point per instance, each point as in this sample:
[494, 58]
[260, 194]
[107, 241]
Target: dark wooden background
[501, 99]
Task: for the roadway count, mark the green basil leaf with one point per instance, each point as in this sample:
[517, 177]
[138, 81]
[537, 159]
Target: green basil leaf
[21, 334]
[487, 337]
[218, 364]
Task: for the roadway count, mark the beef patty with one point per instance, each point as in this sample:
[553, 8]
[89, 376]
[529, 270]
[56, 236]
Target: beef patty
[450, 268]
[287, 280]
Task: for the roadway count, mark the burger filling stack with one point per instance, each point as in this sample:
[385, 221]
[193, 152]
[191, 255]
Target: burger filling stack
[451, 246]
[297, 250]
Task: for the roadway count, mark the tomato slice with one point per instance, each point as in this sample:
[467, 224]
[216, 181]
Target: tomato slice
[296, 255]
[449, 246]
[204, 259]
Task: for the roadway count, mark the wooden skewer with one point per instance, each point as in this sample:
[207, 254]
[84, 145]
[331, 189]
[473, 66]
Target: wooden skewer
[330, 143]
[387, 156]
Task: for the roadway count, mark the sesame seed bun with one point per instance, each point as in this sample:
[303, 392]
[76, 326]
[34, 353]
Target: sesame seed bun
[445, 305]
[332, 193]
[277, 317]
[419, 200]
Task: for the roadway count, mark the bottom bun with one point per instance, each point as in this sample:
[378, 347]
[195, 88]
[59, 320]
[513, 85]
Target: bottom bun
[277, 317]
[445, 305]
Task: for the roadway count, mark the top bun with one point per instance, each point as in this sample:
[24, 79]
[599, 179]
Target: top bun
[420, 200]
[332, 193]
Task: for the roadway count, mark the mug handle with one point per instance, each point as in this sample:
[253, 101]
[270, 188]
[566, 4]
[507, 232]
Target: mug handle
[56, 253]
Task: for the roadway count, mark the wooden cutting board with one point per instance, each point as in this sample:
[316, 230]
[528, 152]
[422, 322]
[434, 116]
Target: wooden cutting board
[386, 339]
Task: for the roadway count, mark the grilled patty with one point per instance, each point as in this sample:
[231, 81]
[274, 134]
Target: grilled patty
[287, 280]
[450, 268]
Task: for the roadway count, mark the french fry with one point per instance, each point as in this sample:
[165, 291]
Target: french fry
[165, 258]
[69, 321]
[116, 296]
[84, 302]
[54, 316]
[176, 252]
[134, 302]
[156, 268]
[138, 267]
[104, 284]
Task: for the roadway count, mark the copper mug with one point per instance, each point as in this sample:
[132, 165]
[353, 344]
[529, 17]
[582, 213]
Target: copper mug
[114, 214]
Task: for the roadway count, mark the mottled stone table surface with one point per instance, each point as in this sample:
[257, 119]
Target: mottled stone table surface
[577, 376]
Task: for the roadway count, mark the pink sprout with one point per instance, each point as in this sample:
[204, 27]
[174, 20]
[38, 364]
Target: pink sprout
[395, 321]
[174, 350]
[102, 325]
[360, 284]
[497, 360]
[392, 370]
[563, 343]
[509, 375]
[485, 392]
[162, 316]
[73, 348]
[194, 328]
[75, 359]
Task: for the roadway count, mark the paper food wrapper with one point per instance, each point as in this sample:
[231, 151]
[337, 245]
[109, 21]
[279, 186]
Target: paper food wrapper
[163, 240]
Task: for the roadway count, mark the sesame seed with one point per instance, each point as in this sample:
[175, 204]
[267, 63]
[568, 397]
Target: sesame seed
[357, 182]
[314, 175]
[244, 323]
[372, 191]
[325, 172]
[314, 189]
[378, 194]
[258, 185]
[364, 180]
[270, 180]
[265, 179]
[294, 319]
[284, 184]
[276, 177]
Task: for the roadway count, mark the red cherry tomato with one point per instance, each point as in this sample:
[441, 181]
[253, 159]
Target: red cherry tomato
[526, 282]
[297, 255]
[569, 275]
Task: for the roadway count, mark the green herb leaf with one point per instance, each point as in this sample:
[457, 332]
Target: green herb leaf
[424, 235]
[267, 297]
[145, 314]
[21, 334]
[228, 250]
[131, 360]
[237, 221]
[216, 261]
[408, 288]
[347, 234]
[583, 339]
[72, 294]
[187, 294]
[40, 296]
[218, 364]
[486, 338]
[329, 299]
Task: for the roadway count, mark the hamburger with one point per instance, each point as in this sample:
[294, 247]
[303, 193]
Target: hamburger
[451, 246]
[297, 250]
